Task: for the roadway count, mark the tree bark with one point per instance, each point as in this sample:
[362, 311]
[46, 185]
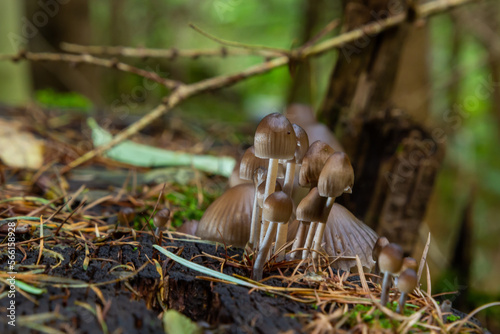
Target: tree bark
[395, 158]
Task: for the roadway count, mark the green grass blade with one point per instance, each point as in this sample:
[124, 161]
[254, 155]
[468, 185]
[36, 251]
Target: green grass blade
[204, 270]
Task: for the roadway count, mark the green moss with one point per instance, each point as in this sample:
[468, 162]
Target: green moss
[186, 205]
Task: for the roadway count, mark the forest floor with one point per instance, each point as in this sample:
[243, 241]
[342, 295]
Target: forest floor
[78, 270]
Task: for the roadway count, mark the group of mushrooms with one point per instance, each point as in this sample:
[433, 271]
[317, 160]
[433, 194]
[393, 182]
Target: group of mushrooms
[269, 214]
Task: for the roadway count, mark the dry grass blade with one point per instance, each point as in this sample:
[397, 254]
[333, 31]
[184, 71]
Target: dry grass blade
[462, 322]
[362, 275]
[423, 258]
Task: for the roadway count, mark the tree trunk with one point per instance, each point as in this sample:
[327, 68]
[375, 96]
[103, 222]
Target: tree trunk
[53, 23]
[395, 158]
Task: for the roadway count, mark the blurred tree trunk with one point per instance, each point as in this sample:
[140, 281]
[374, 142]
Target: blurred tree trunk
[16, 89]
[54, 23]
[382, 129]
[301, 86]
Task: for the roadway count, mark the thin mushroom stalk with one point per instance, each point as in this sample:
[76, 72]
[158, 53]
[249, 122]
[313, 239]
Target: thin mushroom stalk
[390, 261]
[255, 225]
[282, 231]
[406, 283]
[299, 239]
[309, 239]
[300, 151]
[320, 231]
[270, 188]
[277, 208]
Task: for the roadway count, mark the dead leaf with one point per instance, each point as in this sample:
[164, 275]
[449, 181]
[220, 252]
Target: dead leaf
[18, 148]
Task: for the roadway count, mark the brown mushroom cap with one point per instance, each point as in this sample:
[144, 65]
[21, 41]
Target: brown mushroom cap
[313, 163]
[261, 189]
[409, 263]
[250, 163]
[302, 144]
[228, 218]
[277, 207]
[275, 138]
[312, 207]
[381, 243]
[337, 176]
[161, 218]
[346, 235]
[126, 215]
[407, 281]
[390, 258]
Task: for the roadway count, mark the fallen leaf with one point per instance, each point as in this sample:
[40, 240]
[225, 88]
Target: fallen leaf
[18, 148]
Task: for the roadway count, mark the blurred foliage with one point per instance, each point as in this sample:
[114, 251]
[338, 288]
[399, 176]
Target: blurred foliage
[49, 98]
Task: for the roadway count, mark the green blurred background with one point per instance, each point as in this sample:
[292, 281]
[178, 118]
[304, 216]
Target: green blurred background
[460, 51]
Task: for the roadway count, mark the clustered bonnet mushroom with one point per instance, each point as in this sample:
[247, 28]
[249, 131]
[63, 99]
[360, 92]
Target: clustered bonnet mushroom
[278, 142]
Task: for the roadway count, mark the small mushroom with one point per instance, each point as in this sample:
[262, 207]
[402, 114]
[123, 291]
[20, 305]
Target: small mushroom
[125, 216]
[407, 281]
[313, 162]
[227, 219]
[336, 178]
[377, 248]
[347, 236]
[161, 220]
[390, 261]
[408, 263]
[309, 211]
[300, 151]
[261, 192]
[277, 209]
[274, 139]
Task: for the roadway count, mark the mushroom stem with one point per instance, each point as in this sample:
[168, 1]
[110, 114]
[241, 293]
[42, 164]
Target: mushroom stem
[272, 173]
[386, 284]
[264, 248]
[299, 239]
[255, 224]
[402, 301]
[320, 230]
[157, 231]
[309, 239]
[283, 228]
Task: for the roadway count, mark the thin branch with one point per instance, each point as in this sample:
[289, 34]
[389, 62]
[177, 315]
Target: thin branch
[323, 32]
[183, 91]
[88, 59]
[172, 53]
[278, 51]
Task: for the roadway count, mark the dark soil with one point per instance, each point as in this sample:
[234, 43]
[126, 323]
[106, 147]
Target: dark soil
[226, 307]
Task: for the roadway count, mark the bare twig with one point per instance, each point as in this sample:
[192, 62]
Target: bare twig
[88, 59]
[171, 53]
[276, 51]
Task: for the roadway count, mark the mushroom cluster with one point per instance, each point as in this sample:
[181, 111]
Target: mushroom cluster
[391, 263]
[271, 207]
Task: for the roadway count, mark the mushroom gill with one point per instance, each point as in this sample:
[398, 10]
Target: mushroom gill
[228, 218]
[347, 236]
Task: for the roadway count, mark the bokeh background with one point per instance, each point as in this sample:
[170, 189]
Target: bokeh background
[455, 86]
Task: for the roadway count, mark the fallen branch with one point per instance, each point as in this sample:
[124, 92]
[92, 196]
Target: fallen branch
[88, 59]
